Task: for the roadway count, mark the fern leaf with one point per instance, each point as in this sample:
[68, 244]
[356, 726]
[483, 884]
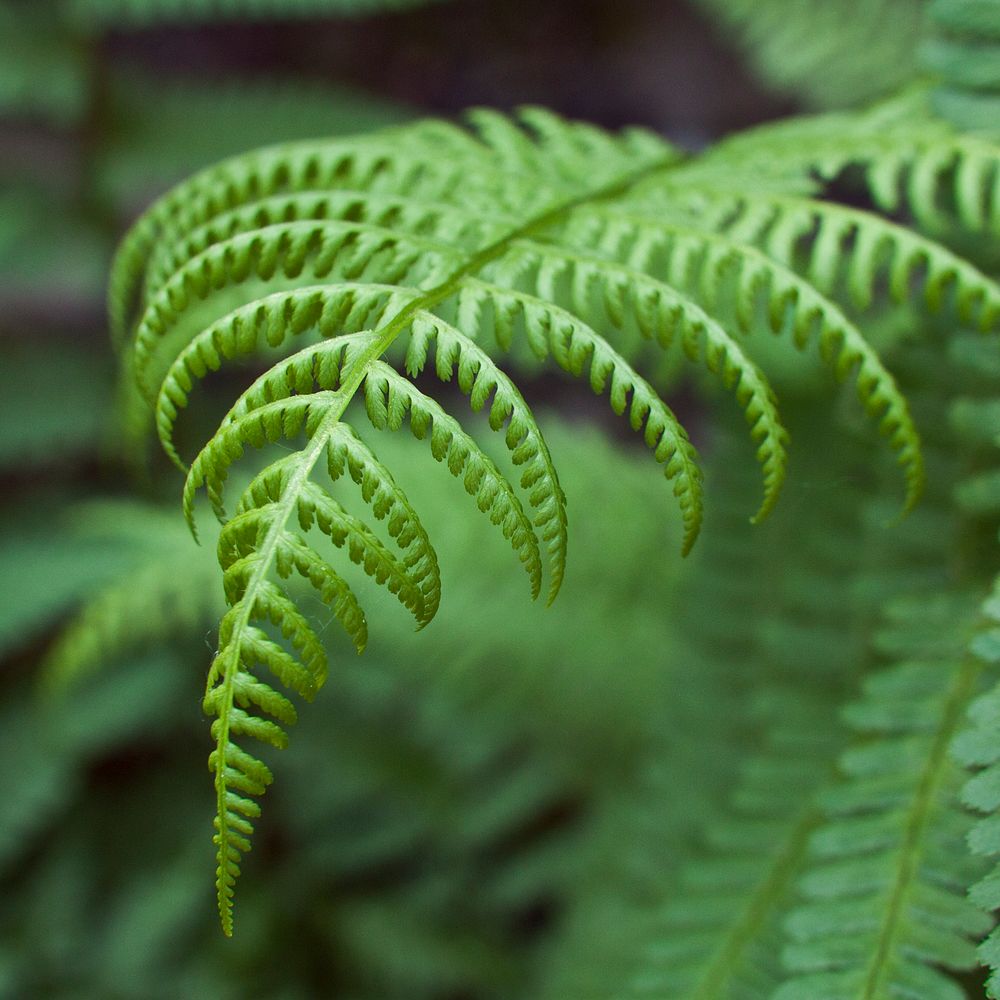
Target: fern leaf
[575, 347]
[432, 235]
[415, 216]
[910, 162]
[885, 901]
[976, 748]
[851, 255]
[391, 399]
[325, 311]
[480, 379]
[749, 289]
[280, 257]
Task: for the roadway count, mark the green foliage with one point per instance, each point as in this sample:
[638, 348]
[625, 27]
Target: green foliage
[559, 235]
[827, 54]
[165, 130]
[42, 74]
[738, 776]
[963, 50]
[454, 800]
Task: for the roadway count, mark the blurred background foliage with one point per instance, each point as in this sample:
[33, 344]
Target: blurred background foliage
[506, 806]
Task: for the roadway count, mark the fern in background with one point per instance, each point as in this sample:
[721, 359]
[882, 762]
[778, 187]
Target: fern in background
[831, 54]
[963, 50]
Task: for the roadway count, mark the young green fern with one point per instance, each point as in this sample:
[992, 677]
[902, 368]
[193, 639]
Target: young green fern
[461, 243]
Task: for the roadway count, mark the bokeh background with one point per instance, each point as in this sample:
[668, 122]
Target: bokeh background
[463, 814]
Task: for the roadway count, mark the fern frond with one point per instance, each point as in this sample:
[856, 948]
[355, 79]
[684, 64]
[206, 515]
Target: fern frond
[391, 399]
[330, 311]
[575, 347]
[626, 296]
[912, 163]
[885, 906]
[749, 290]
[369, 251]
[849, 255]
[280, 258]
[481, 380]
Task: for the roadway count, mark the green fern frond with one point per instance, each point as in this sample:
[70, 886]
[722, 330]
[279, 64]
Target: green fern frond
[885, 907]
[850, 255]
[559, 314]
[747, 290]
[911, 162]
[371, 252]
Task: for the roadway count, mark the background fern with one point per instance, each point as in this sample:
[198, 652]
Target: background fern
[827, 54]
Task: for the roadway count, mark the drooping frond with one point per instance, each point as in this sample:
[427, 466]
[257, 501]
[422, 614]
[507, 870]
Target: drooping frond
[749, 291]
[848, 255]
[628, 297]
[347, 258]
